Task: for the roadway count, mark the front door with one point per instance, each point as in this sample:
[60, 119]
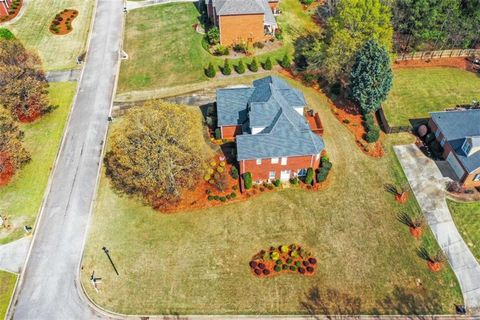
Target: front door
[285, 175]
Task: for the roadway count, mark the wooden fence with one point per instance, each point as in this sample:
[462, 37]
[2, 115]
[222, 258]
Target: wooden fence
[425, 55]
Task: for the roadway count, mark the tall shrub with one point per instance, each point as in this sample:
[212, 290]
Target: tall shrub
[268, 64]
[240, 67]
[247, 180]
[210, 71]
[227, 69]
[254, 65]
[309, 177]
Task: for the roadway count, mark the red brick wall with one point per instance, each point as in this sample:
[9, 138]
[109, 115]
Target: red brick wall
[241, 28]
[261, 171]
[3, 10]
[468, 180]
[230, 132]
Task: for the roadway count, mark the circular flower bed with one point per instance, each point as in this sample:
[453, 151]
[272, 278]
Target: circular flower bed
[283, 259]
[62, 23]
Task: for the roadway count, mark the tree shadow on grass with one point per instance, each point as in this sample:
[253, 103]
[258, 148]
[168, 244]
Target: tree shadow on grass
[330, 304]
[413, 303]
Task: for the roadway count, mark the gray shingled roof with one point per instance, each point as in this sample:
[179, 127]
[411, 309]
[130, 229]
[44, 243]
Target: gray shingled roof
[240, 7]
[268, 104]
[457, 126]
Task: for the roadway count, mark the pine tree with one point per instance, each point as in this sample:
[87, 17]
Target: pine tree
[286, 62]
[268, 64]
[227, 69]
[371, 77]
[254, 65]
[241, 67]
[210, 71]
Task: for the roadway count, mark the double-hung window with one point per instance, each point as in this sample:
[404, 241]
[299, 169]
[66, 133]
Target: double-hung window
[259, 161]
[284, 161]
[274, 160]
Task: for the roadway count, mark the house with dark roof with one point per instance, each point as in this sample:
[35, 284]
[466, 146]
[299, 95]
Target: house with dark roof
[243, 21]
[458, 132]
[276, 137]
[5, 5]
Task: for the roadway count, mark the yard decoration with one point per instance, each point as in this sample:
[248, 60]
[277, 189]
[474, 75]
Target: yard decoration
[415, 223]
[62, 23]
[400, 193]
[283, 259]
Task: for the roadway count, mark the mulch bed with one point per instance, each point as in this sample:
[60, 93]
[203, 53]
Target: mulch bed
[14, 14]
[458, 62]
[283, 260]
[62, 23]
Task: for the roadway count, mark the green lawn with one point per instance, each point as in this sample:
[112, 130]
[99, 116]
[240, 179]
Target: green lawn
[57, 52]
[197, 262]
[22, 197]
[7, 285]
[467, 220]
[165, 50]
[418, 91]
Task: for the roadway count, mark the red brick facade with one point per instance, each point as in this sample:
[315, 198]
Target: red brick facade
[230, 132]
[4, 6]
[261, 171]
[468, 179]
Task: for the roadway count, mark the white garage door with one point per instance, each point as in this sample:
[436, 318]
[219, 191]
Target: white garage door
[456, 166]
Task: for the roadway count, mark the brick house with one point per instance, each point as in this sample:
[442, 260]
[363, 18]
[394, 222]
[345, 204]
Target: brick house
[275, 137]
[458, 132]
[243, 20]
[4, 7]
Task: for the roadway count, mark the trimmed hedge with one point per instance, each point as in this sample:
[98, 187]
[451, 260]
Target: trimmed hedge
[248, 182]
[309, 177]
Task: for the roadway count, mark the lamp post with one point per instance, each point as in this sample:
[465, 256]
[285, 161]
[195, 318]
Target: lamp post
[107, 252]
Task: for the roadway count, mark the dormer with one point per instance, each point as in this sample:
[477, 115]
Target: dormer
[471, 145]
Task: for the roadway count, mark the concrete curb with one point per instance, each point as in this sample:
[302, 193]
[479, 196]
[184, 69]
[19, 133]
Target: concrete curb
[11, 306]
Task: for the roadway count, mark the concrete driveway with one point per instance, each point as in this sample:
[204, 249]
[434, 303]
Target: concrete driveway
[13, 254]
[49, 287]
[428, 185]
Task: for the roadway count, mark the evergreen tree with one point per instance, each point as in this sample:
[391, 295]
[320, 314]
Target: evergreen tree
[210, 71]
[268, 64]
[254, 65]
[241, 67]
[371, 77]
[286, 61]
[227, 69]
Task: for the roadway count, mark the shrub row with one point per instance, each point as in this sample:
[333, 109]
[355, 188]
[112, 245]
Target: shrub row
[240, 68]
[230, 196]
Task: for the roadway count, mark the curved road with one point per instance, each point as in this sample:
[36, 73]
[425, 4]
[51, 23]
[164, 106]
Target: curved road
[49, 287]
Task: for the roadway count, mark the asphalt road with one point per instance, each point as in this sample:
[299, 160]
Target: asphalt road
[49, 288]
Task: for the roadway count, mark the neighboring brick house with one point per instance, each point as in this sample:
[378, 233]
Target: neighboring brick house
[4, 6]
[243, 20]
[458, 132]
[275, 137]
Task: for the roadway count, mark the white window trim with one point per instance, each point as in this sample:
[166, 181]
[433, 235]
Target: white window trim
[274, 160]
[466, 147]
[270, 176]
[284, 161]
[259, 161]
[476, 178]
